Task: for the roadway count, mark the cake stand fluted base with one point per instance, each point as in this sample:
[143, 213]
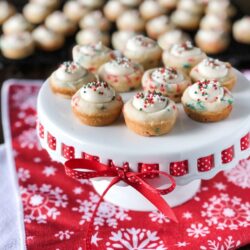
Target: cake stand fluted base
[128, 198]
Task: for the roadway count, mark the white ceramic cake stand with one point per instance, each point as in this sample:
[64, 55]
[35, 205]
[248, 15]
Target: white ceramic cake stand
[191, 152]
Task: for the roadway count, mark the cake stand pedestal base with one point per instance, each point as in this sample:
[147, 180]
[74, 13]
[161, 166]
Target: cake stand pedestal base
[128, 198]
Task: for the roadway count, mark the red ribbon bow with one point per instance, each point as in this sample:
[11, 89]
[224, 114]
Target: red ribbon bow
[87, 169]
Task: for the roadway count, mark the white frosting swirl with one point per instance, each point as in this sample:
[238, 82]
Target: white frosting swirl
[207, 96]
[92, 49]
[206, 91]
[149, 102]
[58, 18]
[165, 76]
[70, 72]
[151, 7]
[18, 40]
[243, 24]
[211, 35]
[97, 92]
[120, 65]
[160, 21]
[172, 37]
[185, 50]
[140, 42]
[44, 34]
[16, 23]
[212, 68]
[94, 19]
[36, 9]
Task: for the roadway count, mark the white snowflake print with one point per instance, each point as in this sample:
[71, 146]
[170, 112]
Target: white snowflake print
[49, 171]
[182, 244]
[197, 230]
[187, 215]
[28, 140]
[228, 244]
[158, 217]
[25, 98]
[220, 186]
[42, 202]
[95, 239]
[37, 159]
[107, 214]
[28, 119]
[226, 212]
[64, 235]
[77, 190]
[135, 239]
[240, 175]
[23, 174]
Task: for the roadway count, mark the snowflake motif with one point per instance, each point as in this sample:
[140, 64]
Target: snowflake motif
[77, 190]
[226, 212]
[25, 98]
[187, 215]
[49, 171]
[228, 244]
[197, 230]
[135, 239]
[95, 239]
[23, 174]
[158, 217]
[220, 186]
[64, 235]
[37, 159]
[42, 202]
[28, 140]
[240, 175]
[107, 214]
[182, 244]
[27, 118]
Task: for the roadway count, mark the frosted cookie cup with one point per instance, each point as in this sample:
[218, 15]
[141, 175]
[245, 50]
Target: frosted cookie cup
[122, 74]
[183, 56]
[92, 56]
[68, 78]
[97, 104]
[143, 50]
[150, 114]
[17, 46]
[207, 101]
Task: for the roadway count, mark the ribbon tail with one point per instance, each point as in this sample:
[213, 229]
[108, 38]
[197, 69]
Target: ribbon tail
[91, 223]
[156, 199]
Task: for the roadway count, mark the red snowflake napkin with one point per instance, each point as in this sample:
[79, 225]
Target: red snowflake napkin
[57, 209]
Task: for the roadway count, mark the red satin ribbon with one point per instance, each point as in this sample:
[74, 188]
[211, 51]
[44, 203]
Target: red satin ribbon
[87, 169]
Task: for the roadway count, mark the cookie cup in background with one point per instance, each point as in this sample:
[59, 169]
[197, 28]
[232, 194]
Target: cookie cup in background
[122, 74]
[91, 57]
[214, 69]
[169, 81]
[144, 51]
[46, 39]
[183, 56]
[17, 46]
